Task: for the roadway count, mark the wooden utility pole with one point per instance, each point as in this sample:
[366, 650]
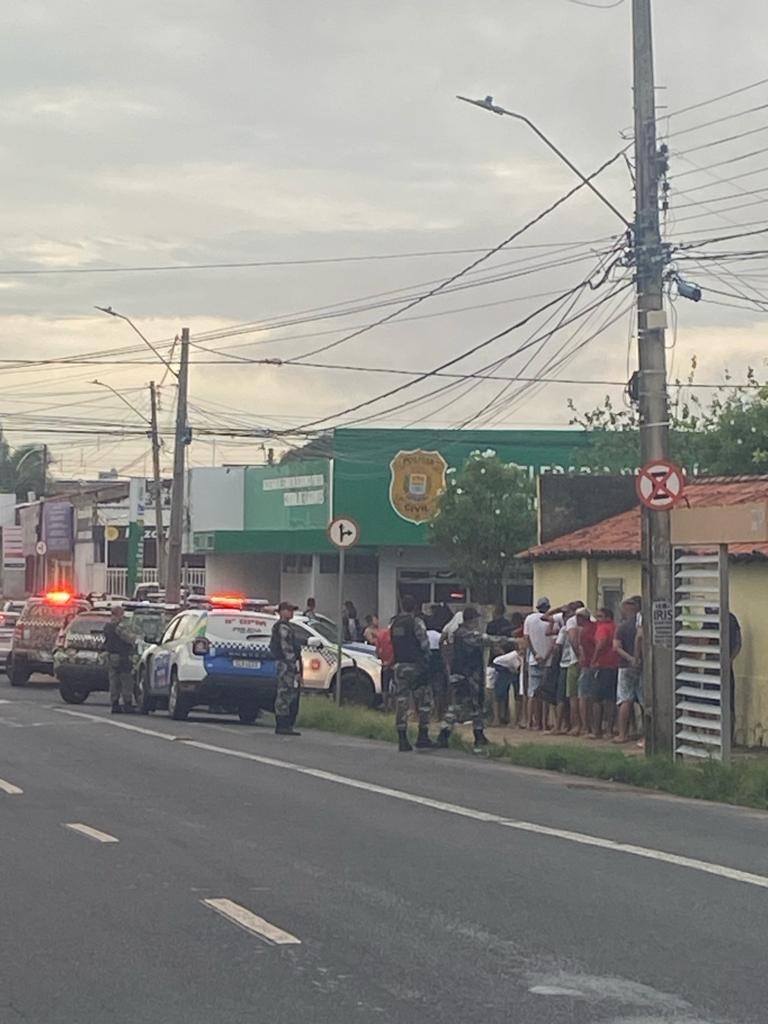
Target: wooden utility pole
[176, 531]
[658, 667]
[158, 487]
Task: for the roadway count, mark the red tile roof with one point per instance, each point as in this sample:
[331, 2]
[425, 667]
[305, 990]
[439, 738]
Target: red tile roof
[619, 536]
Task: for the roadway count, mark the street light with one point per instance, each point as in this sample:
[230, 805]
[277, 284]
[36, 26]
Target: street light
[121, 316]
[124, 400]
[494, 108]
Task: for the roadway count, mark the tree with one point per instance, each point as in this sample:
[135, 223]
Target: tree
[23, 469]
[485, 517]
[726, 434]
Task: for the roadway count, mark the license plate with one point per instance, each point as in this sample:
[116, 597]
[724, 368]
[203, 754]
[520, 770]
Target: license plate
[245, 663]
[88, 655]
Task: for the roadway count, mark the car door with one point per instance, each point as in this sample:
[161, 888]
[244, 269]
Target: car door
[316, 661]
[162, 657]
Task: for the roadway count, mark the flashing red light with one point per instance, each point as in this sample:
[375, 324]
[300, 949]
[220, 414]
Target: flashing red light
[227, 601]
[315, 665]
[58, 597]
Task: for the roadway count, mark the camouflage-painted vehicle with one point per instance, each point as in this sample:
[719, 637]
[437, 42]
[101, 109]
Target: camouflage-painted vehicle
[80, 661]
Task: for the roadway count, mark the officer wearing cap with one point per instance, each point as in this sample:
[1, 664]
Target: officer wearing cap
[285, 647]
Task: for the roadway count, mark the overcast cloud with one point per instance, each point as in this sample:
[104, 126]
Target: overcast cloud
[165, 133]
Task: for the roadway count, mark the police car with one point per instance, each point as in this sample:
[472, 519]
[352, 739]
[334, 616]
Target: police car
[36, 631]
[218, 656]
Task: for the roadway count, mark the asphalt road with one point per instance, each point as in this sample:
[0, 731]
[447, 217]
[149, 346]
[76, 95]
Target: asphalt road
[362, 885]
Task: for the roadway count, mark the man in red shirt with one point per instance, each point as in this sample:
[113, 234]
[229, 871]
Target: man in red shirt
[605, 667]
[585, 630]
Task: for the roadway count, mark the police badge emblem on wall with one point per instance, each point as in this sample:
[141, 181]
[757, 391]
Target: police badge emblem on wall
[418, 480]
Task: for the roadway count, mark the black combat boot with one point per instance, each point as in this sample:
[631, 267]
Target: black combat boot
[444, 739]
[481, 740]
[403, 745]
[283, 726]
[116, 709]
[423, 742]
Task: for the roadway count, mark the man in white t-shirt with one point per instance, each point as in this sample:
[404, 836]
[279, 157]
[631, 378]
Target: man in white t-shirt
[539, 633]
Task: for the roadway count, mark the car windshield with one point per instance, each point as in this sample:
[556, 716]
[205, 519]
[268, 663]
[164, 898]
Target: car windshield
[149, 625]
[44, 610]
[238, 627]
[326, 628]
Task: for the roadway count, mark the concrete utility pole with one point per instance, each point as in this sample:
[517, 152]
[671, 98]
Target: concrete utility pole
[158, 486]
[176, 531]
[658, 670]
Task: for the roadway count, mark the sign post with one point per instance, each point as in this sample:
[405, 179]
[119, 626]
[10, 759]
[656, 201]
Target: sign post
[136, 502]
[343, 533]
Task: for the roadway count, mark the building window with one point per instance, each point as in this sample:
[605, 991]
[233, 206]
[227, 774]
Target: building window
[450, 593]
[297, 564]
[355, 565]
[611, 593]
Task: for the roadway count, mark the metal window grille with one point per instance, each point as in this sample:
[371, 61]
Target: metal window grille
[702, 656]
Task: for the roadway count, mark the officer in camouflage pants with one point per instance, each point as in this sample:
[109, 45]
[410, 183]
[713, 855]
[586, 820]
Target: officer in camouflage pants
[467, 679]
[286, 650]
[410, 645]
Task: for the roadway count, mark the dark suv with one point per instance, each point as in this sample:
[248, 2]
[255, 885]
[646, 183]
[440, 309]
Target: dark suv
[36, 632]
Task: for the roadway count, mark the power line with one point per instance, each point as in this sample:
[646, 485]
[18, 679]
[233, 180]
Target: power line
[721, 163]
[723, 141]
[716, 99]
[241, 265]
[465, 270]
[715, 121]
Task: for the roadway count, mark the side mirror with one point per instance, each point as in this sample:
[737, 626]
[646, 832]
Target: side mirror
[315, 643]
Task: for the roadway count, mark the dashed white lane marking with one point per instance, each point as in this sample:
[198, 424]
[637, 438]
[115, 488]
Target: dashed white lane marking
[252, 922]
[91, 833]
[580, 838]
[9, 788]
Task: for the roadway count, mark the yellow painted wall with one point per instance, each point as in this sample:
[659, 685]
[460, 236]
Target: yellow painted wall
[559, 581]
[580, 579]
[568, 580]
[748, 588]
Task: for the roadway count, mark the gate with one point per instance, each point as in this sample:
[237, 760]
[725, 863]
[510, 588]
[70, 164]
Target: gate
[702, 655]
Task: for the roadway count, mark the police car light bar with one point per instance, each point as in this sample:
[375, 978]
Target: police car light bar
[58, 597]
[227, 600]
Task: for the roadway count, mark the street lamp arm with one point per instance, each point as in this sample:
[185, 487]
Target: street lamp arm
[494, 108]
[124, 400]
[121, 316]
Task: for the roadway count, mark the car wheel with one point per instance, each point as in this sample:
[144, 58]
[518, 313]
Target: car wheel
[144, 699]
[178, 708]
[19, 674]
[248, 715]
[74, 694]
[356, 688]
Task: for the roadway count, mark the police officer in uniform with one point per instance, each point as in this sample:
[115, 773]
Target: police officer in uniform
[410, 645]
[467, 679]
[285, 647]
[120, 644]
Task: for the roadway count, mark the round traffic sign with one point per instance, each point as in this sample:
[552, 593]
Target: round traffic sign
[660, 484]
[343, 532]
[41, 547]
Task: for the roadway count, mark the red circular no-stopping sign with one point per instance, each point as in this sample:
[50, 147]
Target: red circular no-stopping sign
[660, 485]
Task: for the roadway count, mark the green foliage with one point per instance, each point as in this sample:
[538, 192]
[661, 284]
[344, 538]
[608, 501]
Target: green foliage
[722, 434]
[485, 517]
[744, 782]
[23, 469]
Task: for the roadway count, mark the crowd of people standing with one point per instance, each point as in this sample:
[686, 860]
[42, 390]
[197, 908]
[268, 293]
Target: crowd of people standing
[561, 670]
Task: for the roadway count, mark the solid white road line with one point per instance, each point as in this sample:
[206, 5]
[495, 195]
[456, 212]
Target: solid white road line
[580, 838]
[92, 833]
[9, 788]
[252, 922]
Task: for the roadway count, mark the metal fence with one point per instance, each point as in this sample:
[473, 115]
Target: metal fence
[117, 579]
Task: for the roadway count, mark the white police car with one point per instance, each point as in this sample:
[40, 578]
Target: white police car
[218, 656]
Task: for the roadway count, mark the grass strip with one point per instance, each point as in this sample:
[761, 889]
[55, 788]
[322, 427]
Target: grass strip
[744, 782]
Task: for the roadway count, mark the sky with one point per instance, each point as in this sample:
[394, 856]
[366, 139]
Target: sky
[177, 134]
